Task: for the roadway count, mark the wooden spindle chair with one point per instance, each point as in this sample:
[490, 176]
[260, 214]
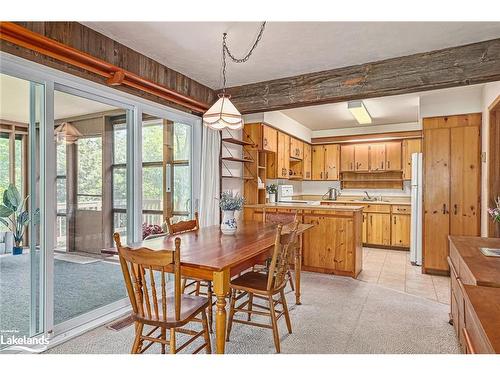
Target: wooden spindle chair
[152, 305]
[266, 286]
[283, 218]
[197, 284]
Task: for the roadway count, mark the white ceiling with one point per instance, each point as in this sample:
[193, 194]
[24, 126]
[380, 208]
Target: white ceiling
[14, 102]
[287, 48]
[387, 110]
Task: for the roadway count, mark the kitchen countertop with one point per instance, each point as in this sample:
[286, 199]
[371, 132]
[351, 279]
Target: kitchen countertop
[353, 199]
[305, 206]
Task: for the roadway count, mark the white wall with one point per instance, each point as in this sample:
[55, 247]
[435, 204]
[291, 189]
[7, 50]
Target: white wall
[454, 101]
[282, 122]
[490, 93]
[371, 129]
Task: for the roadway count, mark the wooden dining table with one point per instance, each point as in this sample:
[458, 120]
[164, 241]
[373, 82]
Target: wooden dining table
[210, 255]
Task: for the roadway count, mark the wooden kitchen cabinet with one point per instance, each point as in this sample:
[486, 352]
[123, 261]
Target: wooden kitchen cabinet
[331, 162]
[269, 139]
[296, 148]
[376, 152]
[306, 162]
[452, 187]
[409, 147]
[378, 229]
[365, 222]
[262, 137]
[346, 158]
[325, 161]
[393, 156]
[318, 162]
[361, 158]
[334, 244]
[400, 230]
[283, 155]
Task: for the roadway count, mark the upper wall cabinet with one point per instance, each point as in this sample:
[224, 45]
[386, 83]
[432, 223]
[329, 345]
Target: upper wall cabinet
[263, 137]
[325, 162]
[393, 156]
[347, 158]
[306, 164]
[377, 161]
[296, 148]
[269, 139]
[410, 146]
[361, 157]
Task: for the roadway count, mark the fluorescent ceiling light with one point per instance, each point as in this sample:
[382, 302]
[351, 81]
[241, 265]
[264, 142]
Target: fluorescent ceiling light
[359, 111]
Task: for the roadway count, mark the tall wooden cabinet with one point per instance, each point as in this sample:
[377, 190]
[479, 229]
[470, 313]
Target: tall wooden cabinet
[452, 189]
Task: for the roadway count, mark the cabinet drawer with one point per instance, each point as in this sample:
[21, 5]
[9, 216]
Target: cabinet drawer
[401, 209]
[377, 208]
[474, 335]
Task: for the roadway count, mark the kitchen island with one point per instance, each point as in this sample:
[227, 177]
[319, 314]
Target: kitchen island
[333, 245]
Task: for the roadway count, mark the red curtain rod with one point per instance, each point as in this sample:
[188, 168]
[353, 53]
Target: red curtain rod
[115, 76]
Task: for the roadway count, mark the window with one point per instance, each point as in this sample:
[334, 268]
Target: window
[182, 170]
[12, 171]
[153, 139]
[61, 193]
[89, 188]
[166, 170]
[119, 168]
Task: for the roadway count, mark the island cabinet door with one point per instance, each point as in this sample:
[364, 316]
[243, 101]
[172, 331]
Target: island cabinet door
[342, 241]
[316, 241]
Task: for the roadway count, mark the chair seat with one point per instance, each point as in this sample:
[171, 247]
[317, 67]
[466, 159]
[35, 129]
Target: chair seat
[252, 281]
[190, 307]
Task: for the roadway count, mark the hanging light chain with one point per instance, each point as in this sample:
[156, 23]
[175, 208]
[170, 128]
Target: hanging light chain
[225, 49]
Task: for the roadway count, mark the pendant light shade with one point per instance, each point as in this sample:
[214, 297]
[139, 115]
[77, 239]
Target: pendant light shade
[67, 133]
[223, 114]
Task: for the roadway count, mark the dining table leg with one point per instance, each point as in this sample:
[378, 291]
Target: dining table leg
[298, 268]
[221, 289]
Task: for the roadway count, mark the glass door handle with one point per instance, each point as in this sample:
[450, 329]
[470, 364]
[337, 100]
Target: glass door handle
[168, 179]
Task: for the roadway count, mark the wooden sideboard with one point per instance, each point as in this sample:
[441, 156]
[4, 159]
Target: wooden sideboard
[475, 294]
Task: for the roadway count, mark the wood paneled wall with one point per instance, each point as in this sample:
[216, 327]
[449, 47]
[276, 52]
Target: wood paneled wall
[87, 40]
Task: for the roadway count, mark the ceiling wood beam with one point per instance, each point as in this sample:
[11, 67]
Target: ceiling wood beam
[450, 67]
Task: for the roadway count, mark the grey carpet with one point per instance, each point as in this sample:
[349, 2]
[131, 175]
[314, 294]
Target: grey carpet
[338, 315]
[78, 288]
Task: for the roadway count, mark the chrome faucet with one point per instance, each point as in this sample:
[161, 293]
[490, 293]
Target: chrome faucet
[367, 195]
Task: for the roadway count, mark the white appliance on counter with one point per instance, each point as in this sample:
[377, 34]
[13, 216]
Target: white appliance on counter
[416, 209]
[285, 194]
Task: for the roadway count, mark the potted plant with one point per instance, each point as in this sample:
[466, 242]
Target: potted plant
[229, 203]
[495, 214]
[272, 190]
[15, 217]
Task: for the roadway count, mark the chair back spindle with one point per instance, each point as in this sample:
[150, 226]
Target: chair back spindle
[141, 268]
[280, 261]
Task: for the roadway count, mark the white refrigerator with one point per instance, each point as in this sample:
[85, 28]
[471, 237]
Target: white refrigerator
[416, 210]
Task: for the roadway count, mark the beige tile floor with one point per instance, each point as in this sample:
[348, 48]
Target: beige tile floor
[392, 269]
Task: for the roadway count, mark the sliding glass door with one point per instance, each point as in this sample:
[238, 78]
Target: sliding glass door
[91, 203]
[94, 162]
[21, 188]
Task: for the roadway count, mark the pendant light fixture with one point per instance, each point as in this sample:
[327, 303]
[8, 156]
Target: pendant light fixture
[223, 114]
[67, 133]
